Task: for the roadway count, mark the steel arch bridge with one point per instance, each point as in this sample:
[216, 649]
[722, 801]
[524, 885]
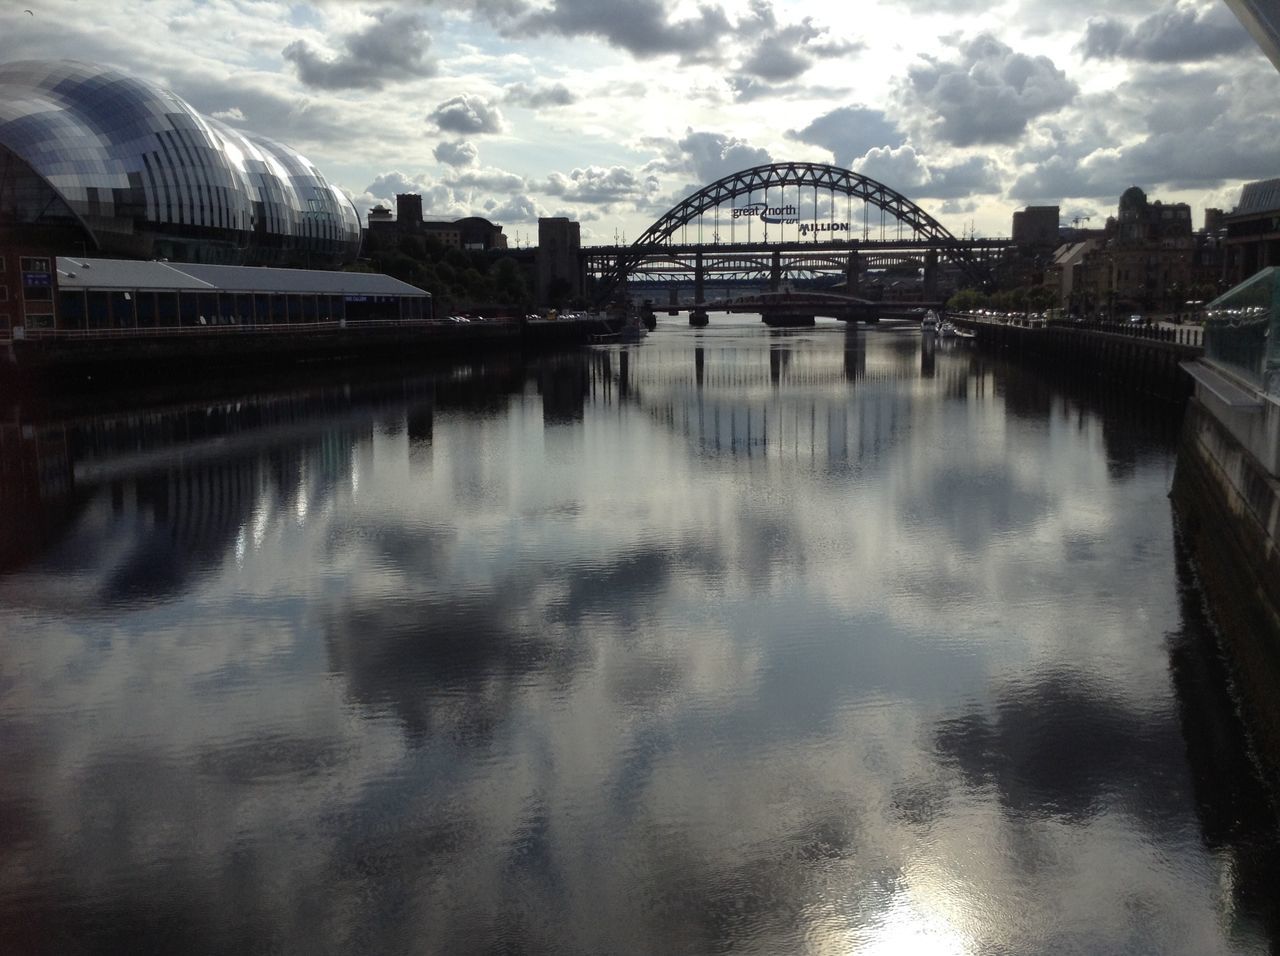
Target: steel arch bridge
[758, 181]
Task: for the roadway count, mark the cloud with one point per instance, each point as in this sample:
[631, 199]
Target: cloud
[641, 27]
[458, 153]
[905, 170]
[1200, 129]
[597, 185]
[989, 94]
[521, 208]
[850, 131]
[393, 47]
[707, 156]
[539, 97]
[233, 115]
[486, 180]
[1186, 33]
[467, 114]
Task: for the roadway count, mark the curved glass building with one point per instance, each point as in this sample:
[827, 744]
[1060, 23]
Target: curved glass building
[136, 172]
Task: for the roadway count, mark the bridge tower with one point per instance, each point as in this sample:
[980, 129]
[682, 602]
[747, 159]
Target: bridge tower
[853, 273]
[930, 289]
[698, 317]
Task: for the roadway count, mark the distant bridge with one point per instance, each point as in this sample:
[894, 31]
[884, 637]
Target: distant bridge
[808, 233]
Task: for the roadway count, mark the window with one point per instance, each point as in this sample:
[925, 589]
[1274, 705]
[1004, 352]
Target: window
[4, 290]
[39, 293]
[34, 264]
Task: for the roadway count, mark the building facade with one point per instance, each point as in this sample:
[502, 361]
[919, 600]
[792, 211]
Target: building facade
[1036, 226]
[1252, 231]
[96, 161]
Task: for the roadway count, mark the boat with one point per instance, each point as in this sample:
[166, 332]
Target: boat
[930, 322]
[948, 331]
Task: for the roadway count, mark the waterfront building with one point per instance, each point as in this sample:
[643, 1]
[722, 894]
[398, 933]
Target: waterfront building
[1149, 261]
[96, 295]
[1036, 226]
[96, 161]
[1252, 240]
[471, 232]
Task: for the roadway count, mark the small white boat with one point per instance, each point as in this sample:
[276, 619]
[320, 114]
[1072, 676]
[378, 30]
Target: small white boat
[930, 322]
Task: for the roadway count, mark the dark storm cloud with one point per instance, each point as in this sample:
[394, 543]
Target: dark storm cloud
[539, 97]
[460, 153]
[849, 132]
[467, 114]
[1186, 33]
[393, 47]
[989, 94]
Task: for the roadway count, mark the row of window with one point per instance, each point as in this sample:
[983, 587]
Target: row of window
[128, 310]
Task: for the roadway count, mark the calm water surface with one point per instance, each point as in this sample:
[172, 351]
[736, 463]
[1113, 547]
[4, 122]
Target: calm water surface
[729, 641]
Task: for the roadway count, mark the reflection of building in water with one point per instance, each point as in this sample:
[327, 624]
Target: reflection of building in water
[564, 383]
[855, 354]
[162, 494]
[35, 469]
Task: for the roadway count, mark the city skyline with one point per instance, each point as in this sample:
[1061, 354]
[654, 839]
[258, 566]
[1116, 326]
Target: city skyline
[610, 113]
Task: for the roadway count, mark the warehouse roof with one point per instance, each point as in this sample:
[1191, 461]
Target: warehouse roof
[77, 273]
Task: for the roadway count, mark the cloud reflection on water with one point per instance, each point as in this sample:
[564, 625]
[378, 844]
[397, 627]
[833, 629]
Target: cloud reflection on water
[594, 676]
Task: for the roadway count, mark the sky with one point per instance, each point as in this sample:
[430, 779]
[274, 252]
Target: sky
[612, 111]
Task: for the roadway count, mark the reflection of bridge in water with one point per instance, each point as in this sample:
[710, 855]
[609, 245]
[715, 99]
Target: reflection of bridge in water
[787, 402]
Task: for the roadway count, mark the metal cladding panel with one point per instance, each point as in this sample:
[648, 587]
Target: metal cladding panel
[80, 273]
[300, 281]
[140, 167]
[123, 274]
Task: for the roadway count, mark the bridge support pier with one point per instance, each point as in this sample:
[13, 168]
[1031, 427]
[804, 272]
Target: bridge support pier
[673, 301]
[930, 288]
[853, 273]
[775, 271]
[698, 317]
[782, 319]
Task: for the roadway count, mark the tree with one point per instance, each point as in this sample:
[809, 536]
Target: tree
[509, 284]
[966, 300]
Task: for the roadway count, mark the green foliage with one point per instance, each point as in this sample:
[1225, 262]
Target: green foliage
[464, 277]
[966, 300]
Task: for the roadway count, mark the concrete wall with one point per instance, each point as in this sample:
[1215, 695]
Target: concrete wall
[1228, 505]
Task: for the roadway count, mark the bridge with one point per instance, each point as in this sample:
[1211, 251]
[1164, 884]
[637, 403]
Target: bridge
[791, 225]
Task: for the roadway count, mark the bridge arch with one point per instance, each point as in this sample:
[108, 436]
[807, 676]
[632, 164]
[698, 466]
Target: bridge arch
[819, 176]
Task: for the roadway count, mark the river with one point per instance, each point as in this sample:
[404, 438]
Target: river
[733, 640]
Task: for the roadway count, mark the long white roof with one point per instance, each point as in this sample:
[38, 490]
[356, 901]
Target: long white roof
[108, 274]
